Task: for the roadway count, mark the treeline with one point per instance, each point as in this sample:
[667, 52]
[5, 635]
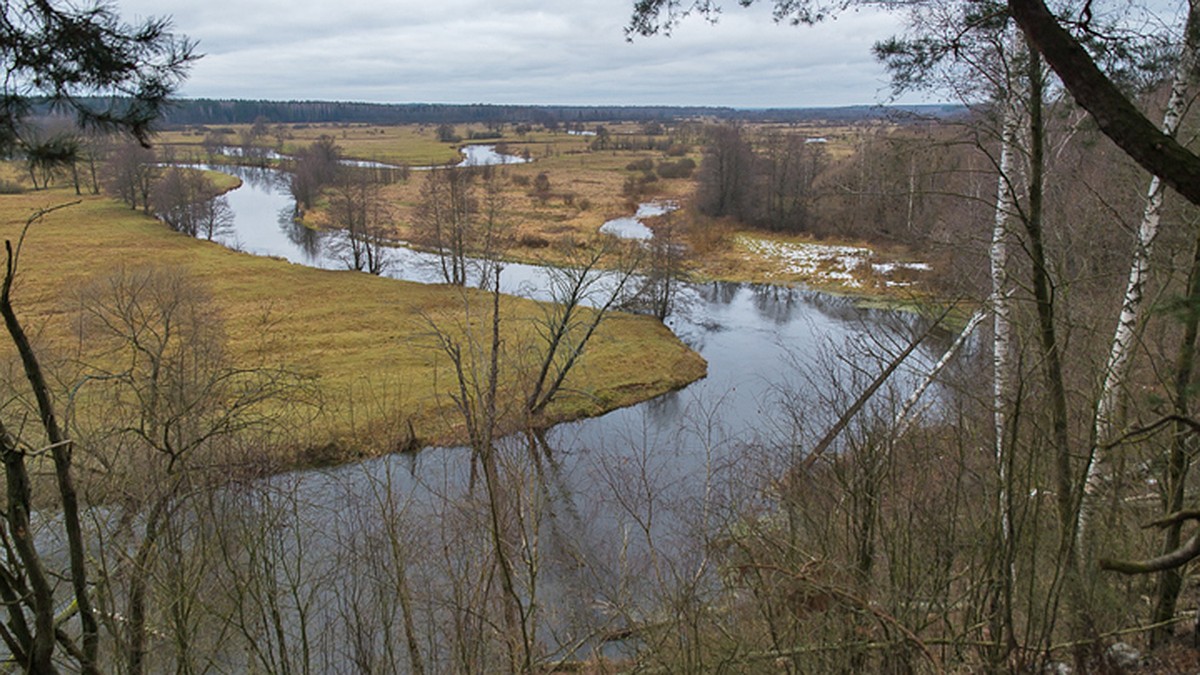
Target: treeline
[852, 113]
[235, 111]
[212, 111]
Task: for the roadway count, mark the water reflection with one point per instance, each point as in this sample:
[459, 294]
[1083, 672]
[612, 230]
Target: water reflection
[309, 240]
[720, 292]
[775, 303]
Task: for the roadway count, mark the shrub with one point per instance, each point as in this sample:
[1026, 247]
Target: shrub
[681, 169]
[8, 187]
[641, 165]
[541, 187]
[631, 188]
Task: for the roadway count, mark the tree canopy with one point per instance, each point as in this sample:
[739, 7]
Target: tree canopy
[57, 53]
[1049, 33]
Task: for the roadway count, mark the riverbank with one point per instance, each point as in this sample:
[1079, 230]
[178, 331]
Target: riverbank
[367, 344]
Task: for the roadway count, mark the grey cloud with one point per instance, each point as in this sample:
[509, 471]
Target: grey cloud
[519, 51]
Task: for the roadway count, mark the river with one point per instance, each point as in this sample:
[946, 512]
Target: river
[617, 507]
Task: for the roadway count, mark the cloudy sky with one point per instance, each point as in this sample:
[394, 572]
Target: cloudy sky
[519, 51]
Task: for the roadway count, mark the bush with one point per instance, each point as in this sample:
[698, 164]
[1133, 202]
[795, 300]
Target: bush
[541, 187]
[631, 188]
[681, 169]
[521, 180]
[641, 165]
[8, 187]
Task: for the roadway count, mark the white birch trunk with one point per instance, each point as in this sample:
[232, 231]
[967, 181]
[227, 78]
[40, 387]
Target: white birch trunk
[904, 417]
[1006, 202]
[1002, 361]
[1129, 322]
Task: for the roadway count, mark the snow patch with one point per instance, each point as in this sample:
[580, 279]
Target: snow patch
[846, 265]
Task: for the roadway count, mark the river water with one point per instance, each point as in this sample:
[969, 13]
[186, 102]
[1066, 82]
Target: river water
[622, 501]
[473, 155]
[752, 335]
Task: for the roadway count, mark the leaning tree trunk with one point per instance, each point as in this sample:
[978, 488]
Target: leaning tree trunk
[61, 451]
[1129, 323]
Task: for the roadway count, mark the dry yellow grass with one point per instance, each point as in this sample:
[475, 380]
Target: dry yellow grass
[368, 340]
[587, 187]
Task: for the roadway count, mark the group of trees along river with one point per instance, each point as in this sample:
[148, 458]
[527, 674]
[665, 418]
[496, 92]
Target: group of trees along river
[1040, 510]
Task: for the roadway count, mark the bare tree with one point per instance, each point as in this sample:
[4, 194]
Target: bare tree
[357, 207]
[446, 219]
[316, 167]
[36, 648]
[726, 174]
[581, 295]
[50, 158]
[187, 201]
[170, 395]
[1130, 321]
[129, 174]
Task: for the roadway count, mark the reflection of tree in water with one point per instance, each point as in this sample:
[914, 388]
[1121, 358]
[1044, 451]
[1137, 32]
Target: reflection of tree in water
[666, 409]
[261, 178]
[719, 292]
[571, 580]
[308, 239]
[840, 308]
[775, 303]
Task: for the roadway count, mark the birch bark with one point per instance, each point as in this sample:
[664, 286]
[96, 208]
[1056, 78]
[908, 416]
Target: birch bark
[1132, 307]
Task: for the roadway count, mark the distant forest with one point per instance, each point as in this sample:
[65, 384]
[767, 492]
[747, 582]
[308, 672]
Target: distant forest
[223, 111]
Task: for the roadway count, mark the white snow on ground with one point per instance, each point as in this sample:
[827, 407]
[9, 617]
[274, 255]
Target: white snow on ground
[827, 263]
[888, 268]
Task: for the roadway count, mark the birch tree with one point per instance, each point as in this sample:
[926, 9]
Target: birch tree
[1129, 323]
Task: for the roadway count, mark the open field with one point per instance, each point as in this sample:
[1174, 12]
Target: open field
[368, 342]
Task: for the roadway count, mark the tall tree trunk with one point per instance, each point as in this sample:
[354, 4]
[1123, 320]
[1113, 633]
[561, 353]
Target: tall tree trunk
[60, 450]
[1002, 367]
[1113, 113]
[1053, 380]
[1128, 324]
[40, 645]
[1170, 581]
[140, 577]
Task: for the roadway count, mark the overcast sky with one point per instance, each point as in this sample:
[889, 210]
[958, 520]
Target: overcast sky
[519, 51]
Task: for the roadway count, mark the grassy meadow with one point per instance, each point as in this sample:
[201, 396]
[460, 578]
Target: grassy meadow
[368, 343]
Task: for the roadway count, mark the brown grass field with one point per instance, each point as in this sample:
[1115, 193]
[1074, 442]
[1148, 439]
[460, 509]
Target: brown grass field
[586, 190]
[586, 186]
[368, 342]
